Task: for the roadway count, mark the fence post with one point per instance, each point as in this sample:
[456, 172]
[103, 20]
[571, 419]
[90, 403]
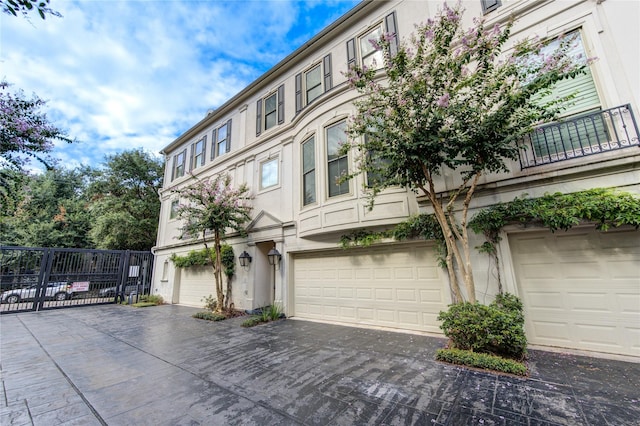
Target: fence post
[43, 278]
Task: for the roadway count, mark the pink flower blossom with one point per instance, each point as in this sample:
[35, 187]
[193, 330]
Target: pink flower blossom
[443, 101]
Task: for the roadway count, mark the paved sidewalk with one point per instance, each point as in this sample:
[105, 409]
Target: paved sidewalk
[119, 365]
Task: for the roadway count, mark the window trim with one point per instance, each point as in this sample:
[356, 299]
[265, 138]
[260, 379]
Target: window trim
[276, 160]
[173, 209]
[215, 141]
[361, 38]
[320, 84]
[326, 82]
[388, 25]
[490, 5]
[193, 162]
[329, 161]
[174, 171]
[310, 139]
[261, 113]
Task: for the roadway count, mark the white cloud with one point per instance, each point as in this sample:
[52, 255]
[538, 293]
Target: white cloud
[127, 74]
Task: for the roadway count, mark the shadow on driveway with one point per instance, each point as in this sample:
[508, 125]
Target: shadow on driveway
[118, 365]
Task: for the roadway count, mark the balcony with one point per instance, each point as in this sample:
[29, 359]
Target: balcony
[580, 136]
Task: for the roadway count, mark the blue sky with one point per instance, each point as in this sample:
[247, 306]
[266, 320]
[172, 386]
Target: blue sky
[136, 74]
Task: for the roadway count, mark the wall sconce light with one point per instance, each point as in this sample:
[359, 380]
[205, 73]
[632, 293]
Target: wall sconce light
[245, 259]
[274, 256]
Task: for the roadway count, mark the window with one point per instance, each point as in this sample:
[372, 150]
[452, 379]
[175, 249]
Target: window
[309, 171]
[270, 111]
[337, 164]
[581, 130]
[270, 106]
[165, 271]
[378, 164]
[313, 83]
[371, 57]
[173, 212]
[197, 153]
[269, 173]
[178, 164]
[221, 140]
[490, 5]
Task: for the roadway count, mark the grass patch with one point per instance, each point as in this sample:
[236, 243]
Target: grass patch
[253, 321]
[209, 316]
[144, 304]
[481, 360]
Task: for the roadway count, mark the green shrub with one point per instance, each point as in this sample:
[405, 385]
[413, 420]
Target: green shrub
[481, 360]
[210, 303]
[497, 328]
[254, 320]
[271, 313]
[209, 316]
[154, 299]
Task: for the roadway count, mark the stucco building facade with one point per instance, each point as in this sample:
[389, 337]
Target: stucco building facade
[581, 289]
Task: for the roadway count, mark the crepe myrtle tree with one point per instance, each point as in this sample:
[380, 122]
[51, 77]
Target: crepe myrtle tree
[25, 131]
[457, 99]
[213, 205]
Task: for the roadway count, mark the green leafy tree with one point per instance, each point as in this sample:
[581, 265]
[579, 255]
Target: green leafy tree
[452, 99]
[52, 212]
[124, 201]
[213, 205]
[13, 7]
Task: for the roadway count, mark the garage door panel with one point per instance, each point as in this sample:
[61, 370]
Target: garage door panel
[196, 283]
[580, 290]
[397, 287]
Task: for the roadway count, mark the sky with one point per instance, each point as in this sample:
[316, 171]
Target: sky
[119, 75]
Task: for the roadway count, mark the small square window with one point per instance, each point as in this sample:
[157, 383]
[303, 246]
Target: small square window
[269, 173]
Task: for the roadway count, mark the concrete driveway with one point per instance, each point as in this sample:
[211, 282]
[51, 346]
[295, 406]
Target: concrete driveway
[119, 365]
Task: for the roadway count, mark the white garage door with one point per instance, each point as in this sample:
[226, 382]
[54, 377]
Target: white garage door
[399, 287]
[196, 283]
[580, 289]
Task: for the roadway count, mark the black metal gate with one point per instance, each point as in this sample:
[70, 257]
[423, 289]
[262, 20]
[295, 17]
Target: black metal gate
[35, 278]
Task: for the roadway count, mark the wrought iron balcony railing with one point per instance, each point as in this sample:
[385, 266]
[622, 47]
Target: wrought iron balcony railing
[580, 136]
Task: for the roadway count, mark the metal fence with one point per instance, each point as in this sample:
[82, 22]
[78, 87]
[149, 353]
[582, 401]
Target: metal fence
[36, 278]
[580, 136]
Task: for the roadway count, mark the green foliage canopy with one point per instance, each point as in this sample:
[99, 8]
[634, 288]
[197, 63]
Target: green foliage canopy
[606, 207]
[124, 201]
[50, 212]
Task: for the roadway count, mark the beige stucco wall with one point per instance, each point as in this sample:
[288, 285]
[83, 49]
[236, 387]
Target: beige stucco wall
[610, 32]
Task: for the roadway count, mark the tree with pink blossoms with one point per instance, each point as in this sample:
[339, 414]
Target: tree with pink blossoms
[452, 99]
[25, 131]
[212, 205]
